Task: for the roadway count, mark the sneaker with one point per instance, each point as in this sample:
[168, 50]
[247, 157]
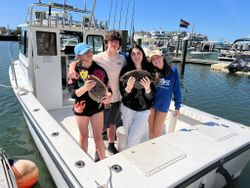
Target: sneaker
[112, 149]
[97, 157]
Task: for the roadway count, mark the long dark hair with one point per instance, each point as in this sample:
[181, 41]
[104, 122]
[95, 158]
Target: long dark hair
[144, 64]
[167, 69]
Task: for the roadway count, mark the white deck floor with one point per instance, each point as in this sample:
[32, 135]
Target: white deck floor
[66, 119]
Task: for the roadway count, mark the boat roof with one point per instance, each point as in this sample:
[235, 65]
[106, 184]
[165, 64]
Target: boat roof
[62, 15]
[241, 40]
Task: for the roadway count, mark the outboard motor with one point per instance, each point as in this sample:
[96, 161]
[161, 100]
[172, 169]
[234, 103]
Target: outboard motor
[238, 65]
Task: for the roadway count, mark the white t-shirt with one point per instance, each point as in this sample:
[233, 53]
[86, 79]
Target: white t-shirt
[113, 66]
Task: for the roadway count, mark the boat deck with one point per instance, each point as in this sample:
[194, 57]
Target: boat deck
[66, 119]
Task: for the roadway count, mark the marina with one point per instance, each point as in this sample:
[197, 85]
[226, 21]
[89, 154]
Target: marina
[214, 115]
[218, 83]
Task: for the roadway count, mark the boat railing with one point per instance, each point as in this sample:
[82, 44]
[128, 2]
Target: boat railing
[6, 168]
[60, 15]
[12, 64]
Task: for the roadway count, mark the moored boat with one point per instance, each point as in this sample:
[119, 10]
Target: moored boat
[203, 150]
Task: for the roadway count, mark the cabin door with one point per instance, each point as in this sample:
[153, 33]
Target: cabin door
[47, 69]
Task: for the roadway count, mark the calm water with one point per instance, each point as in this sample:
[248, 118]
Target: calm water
[224, 95]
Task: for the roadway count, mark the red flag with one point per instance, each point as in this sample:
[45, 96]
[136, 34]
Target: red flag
[184, 23]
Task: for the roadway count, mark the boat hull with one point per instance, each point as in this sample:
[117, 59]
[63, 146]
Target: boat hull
[200, 151]
[204, 55]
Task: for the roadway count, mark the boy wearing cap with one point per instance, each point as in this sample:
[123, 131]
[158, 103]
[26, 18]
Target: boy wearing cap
[169, 84]
[85, 108]
[112, 62]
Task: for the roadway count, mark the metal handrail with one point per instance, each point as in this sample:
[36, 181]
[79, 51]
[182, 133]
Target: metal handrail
[63, 7]
[10, 177]
[12, 64]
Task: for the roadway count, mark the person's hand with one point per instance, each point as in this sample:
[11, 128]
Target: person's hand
[106, 99]
[130, 84]
[176, 113]
[88, 85]
[73, 75]
[145, 82]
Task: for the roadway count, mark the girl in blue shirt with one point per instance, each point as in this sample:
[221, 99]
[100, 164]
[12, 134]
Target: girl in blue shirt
[169, 84]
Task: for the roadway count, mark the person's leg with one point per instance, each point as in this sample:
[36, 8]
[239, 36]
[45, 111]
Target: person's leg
[158, 123]
[82, 123]
[111, 118]
[127, 119]
[111, 133]
[97, 124]
[151, 122]
[137, 128]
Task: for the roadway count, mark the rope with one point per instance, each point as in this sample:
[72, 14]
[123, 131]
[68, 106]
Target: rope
[21, 90]
[127, 14]
[1, 85]
[120, 15]
[115, 14]
[110, 10]
[132, 23]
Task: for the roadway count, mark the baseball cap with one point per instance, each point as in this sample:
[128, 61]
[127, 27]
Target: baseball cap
[154, 53]
[81, 48]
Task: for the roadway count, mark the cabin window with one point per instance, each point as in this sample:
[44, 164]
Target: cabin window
[68, 40]
[46, 43]
[24, 43]
[96, 42]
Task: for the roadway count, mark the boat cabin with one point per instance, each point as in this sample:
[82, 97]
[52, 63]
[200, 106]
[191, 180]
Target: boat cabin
[47, 48]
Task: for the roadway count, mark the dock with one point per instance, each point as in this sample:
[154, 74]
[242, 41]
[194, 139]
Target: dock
[215, 65]
[222, 67]
[198, 61]
[8, 38]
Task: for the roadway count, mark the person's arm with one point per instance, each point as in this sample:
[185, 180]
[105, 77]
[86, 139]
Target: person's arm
[177, 90]
[145, 82]
[126, 88]
[72, 74]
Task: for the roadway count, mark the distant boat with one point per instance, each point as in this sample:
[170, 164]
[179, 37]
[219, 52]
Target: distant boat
[206, 50]
[240, 47]
[239, 64]
[199, 149]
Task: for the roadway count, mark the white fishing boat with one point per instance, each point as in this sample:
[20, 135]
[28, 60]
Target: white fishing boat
[198, 149]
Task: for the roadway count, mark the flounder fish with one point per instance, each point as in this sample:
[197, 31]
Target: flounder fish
[138, 75]
[99, 90]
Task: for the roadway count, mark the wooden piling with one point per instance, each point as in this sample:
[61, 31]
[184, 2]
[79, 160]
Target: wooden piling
[184, 54]
[139, 41]
[124, 36]
[177, 45]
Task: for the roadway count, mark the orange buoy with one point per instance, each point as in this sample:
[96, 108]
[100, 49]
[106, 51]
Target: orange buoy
[26, 173]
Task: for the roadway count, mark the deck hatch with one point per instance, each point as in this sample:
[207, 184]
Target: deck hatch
[153, 156]
[216, 132]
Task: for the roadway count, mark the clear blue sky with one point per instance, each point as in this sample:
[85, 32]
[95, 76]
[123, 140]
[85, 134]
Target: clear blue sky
[218, 19]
